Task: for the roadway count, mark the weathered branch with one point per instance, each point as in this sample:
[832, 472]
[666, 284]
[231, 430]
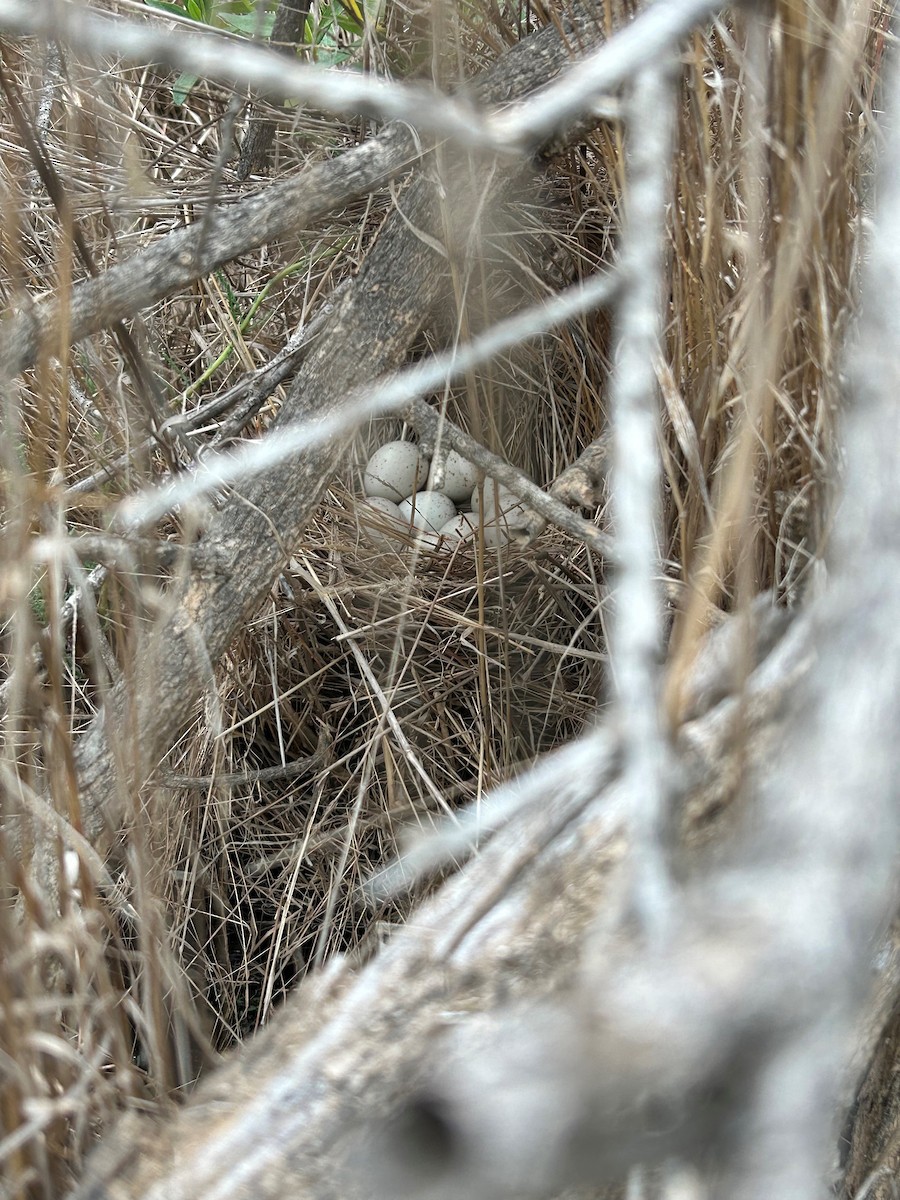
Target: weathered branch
[636, 621]
[185, 255]
[287, 33]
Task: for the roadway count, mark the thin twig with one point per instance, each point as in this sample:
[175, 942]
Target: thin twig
[433, 425]
[290, 770]
[246, 396]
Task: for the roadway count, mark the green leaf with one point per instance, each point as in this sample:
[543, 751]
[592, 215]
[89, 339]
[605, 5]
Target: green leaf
[246, 23]
[375, 14]
[320, 32]
[166, 6]
[245, 7]
[181, 88]
[195, 11]
[332, 58]
[349, 23]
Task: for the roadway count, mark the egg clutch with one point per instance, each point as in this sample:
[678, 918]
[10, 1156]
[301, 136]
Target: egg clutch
[399, 484]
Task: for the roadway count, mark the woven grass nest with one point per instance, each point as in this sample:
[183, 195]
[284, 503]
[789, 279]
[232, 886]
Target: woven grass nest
[397, 682]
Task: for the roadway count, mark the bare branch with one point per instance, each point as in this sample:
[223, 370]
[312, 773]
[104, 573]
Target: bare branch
[185, 255]
[636, 636]
[287, 33]
[651, 36]
[433, 425]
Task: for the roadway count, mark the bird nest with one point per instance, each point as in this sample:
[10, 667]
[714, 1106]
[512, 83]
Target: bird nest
[387, 682]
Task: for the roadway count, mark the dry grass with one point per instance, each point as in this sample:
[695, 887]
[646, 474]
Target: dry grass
[240, 874]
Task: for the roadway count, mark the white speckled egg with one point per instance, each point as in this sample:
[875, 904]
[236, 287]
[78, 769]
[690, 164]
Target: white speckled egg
[513, 518]
[462, 526]
[500, 502]
[460, 476]
[496, 534]
[385, 506]
[428, 510]
[382, 524]
[394, 471]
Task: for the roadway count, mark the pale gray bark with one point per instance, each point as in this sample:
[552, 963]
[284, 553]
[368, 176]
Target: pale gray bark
[290, 21]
